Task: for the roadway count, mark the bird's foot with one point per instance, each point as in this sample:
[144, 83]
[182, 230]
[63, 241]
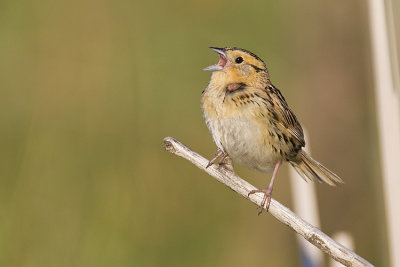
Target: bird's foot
[223, 157]
[267, 198]
[219, 153]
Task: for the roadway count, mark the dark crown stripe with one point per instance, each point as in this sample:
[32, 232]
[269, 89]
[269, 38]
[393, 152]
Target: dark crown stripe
[247, 52]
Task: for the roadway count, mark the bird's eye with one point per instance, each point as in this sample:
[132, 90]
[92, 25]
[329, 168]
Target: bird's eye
[239, 60]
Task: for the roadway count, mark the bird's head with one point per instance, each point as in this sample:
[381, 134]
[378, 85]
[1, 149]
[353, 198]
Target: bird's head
[237, 65]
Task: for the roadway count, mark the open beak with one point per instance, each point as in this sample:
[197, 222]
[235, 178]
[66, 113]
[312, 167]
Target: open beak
[222, 60]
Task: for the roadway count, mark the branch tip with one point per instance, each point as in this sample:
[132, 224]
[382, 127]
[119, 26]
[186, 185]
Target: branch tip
[228, 177]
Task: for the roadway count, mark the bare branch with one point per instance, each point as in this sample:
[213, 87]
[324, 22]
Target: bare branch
[311, 233]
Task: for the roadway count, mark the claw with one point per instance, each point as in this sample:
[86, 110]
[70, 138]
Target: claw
[267, 198]
[210, 163]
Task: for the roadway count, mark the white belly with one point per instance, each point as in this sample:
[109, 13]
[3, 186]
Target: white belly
[244, 142]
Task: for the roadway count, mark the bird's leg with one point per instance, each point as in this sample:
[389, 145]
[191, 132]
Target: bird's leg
[221, 160]
[267, 192]
[218, 153]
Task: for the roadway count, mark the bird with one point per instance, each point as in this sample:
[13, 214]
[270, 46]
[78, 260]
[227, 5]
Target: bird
[251, 122]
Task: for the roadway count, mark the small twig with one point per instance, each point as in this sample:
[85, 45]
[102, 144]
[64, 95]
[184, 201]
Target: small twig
[311, 233]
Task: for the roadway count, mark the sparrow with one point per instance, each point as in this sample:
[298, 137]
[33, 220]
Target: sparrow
[250, 121]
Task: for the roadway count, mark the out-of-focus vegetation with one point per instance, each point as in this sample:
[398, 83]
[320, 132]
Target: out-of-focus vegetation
[90, 88]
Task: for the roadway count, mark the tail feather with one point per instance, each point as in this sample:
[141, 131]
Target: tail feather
[310, 169]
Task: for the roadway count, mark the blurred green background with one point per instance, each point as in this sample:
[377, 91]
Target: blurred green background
[90, 88]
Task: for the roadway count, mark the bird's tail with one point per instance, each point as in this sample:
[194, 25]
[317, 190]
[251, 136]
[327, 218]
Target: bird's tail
[310, 169]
